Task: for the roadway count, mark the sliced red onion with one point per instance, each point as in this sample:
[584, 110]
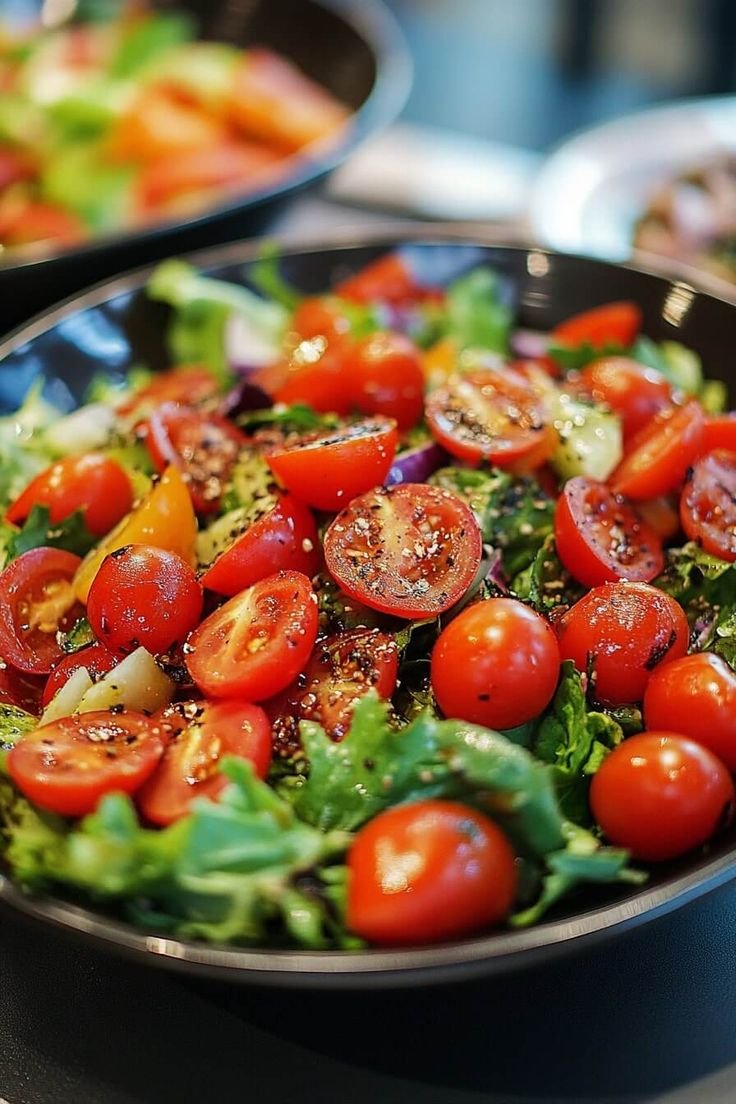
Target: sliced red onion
[247, 347]
[529, 344]
[242, 398]
[417, 464]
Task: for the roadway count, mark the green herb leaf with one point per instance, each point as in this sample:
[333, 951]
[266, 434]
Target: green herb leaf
[70, 534]
[476, 317]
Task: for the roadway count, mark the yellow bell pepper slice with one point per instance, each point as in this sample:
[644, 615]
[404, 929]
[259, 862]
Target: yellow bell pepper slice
[164, 519]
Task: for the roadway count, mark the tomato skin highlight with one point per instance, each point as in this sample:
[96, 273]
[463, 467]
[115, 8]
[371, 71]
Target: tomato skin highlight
[708, 504]
[428, 871]
[695, 696]
[258, 642]
[327, 470]
[92, 483]
[37, 584]
[631, 390]
[496, 664]
[143, 596]
[411, 550]
[314, 374]
[198, 735]
[600, 538]
[67, 766]
[623, 631]
[610, 324]
[284, 539]
[659, 455]
[96, 658]
[660, 795]
[386, 377]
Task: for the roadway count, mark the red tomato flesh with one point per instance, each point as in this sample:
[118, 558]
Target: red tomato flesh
[708, 504]
[36, 601]
[611, 324]
[659, 455]
[92, 483]
[634, 392]
[387, 377]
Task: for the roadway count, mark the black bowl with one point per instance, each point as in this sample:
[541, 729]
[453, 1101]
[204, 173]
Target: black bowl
[354, 48]
[115, 326]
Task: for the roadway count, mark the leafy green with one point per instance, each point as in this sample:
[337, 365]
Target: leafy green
[266, 277]
[575, 741]
[78, 177]
[297, 418]
[23, 451]
[475, 315]
[338, 611]
[71, 534]
[14, 723]
[573, 358]
[545, 583]
[514, 513]
[147, 39]
[705, 586]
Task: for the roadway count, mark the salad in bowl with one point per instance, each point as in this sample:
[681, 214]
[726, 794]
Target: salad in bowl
[373, 621]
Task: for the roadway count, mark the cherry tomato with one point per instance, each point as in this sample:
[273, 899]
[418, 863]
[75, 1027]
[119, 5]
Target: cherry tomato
[492, 414]
[429, 871]
[229, 165]
[634, 392]
[411, 550]
[188, 384]
[495, 664]
[203, 447]
[321, 316]
[143, 597]
[328, 469]
[696, 696]
[387, 377]
[36, 601]
[158, 125]
[720, 433]
[315, 374]
[67, 766]
[622, 632]
[15, 166]
[199, 735]
[342, 669]
[660, 795]
[97, 659]
[387, 280]
[92, 483]
[258, 642]
[600, 538]
[611, 324]
[283, 539]
[708, 504]
[659, 455]
[22, 691]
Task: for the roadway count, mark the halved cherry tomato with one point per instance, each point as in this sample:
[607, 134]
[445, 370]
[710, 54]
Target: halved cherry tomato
[284, 538]
[659, 795]
[387, 280]
[696, 696]
[92, 483]
[720, 433]
[143, 597]
[620, 632]
[189, 384]
[386, 377]
[96, 658]
[342, 669]
[67, 766]
[708, 504]
[22, 691]
[658, 455]
[321, 316]
[258, 642]
[34, 221]
[158, 124]
[495, 664]
[600, 538]
[203, 446]
[163, 519]
[227, 165]
[492, 414]
[611, 324]
[330, 468]
[411, 550]
[429, 871]
[636, 393]
[200, 733]
[36, 601]
[315, 374]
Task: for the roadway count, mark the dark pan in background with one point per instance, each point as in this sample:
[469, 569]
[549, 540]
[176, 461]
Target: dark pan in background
[354, 48]
[115, 326]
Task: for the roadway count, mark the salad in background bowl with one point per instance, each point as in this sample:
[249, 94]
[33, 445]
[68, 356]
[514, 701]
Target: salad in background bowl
[387, 616]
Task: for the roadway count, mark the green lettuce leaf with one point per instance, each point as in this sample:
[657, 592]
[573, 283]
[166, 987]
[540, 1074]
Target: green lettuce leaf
[475, 315]
[71, 534]
[545, 583]
[148, 39]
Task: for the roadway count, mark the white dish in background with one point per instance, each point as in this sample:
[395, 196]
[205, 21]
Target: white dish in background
[590, 191]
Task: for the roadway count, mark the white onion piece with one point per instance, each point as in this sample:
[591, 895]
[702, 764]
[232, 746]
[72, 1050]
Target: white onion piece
[247, 346]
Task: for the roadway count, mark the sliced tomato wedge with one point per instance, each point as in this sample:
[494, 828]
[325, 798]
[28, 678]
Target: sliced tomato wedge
[611, 324]
[258, 642]
[284, 538]
[36, 601]
[203, 446]
[600, 538]
[342, 669]
[720, 433]
[200, 733]
[411, 550]
[96, 658]
[67, 766]
[636, 393]
[92, 483]
[386, 280]
[492, 414]
[190, 384]
[660, 454]
[328, 469]
[708, 504]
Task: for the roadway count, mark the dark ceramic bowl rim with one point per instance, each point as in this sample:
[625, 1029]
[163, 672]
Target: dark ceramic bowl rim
[495, 953]
[376, 24]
